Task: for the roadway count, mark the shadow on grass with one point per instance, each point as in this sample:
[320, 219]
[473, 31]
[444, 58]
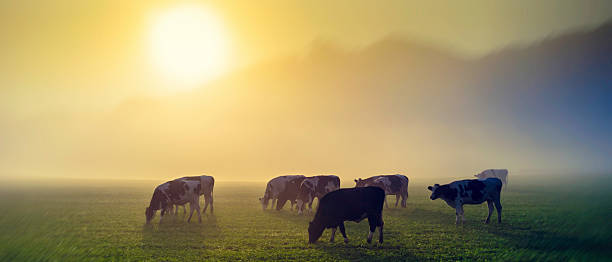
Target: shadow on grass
[177, 231]
[544, 240]
[549, 241]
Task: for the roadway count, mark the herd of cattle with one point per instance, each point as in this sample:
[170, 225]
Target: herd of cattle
[336, 205]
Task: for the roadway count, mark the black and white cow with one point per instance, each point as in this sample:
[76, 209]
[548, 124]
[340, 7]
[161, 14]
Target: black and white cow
[207, 184]
[315, 187]
[175, 192]
[472, 191]
[281, 189]
[392, 184]
[348, 204]
[502, 174]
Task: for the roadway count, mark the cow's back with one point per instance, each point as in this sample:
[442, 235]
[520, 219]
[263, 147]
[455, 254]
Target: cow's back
[350, 203]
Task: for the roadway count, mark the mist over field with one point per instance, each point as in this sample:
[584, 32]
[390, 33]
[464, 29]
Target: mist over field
[475, 130]
[394, 106]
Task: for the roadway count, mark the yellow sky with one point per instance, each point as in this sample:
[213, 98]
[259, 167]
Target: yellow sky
[66, 59]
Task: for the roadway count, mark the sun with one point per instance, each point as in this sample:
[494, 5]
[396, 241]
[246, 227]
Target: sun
[189, 45]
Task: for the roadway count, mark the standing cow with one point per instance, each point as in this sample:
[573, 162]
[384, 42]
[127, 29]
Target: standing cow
[315, 187]
[175, 192]
[392, 184]
[473, 191]
[348, 204]
[502, 174]
[207, 184]
[281, 189]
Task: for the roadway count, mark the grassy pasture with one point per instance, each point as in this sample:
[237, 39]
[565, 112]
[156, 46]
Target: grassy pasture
[105, 222]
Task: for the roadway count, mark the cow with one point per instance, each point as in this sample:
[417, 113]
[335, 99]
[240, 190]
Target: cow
[470, 191]
[175, 192]
[392, 184]
[281, 189]
[502, 174]
[207, 184]
[348, 204]
[315, 187]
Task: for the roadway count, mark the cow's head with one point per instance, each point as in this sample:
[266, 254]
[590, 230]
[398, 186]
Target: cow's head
[264, 202]
[149, 214]
[359, 182]
[315, 230]
[434, 192]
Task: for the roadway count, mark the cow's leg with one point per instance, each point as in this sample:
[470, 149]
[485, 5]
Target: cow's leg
[196, 202]
[373, 221]
[458, 212]
[206, 201]
[343, 231]
[310, 205]
[211, 203]
[161, 215]
[386, 205]
[490, 205]
[380, 231]
[333, 234]
[404, 198]
[397, 199]
[498, 206]
[191, 209]
[184, 210]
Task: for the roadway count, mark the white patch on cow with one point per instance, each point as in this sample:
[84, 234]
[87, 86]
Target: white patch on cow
[502, 174]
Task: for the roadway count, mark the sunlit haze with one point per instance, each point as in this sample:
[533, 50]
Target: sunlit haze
[189, 44]
[251, 90]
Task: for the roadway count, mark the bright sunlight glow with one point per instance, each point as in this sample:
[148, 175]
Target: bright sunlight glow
[188, 44]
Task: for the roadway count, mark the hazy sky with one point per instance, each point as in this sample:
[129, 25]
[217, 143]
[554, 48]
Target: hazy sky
[63, 61]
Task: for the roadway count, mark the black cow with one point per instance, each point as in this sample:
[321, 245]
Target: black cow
[348, 204]
[175, 192]
[475, 191]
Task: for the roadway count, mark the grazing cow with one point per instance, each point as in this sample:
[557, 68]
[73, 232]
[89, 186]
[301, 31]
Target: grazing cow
[472, 191]
[499, 173]
[175, 192]
[392, 184]
[207, 183]
[316, 186]
[281, 189]
[348, 204]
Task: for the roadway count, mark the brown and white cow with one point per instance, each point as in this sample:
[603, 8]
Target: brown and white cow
[502, 174]
[281, 189]
[207, 184]
[392, 184]
[175, 192]
[315, 187]
[471, 191]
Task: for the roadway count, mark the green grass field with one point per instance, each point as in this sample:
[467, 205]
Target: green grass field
[542, 221]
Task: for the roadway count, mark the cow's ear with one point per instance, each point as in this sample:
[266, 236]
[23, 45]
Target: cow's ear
[430, 188]
[356, 180]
